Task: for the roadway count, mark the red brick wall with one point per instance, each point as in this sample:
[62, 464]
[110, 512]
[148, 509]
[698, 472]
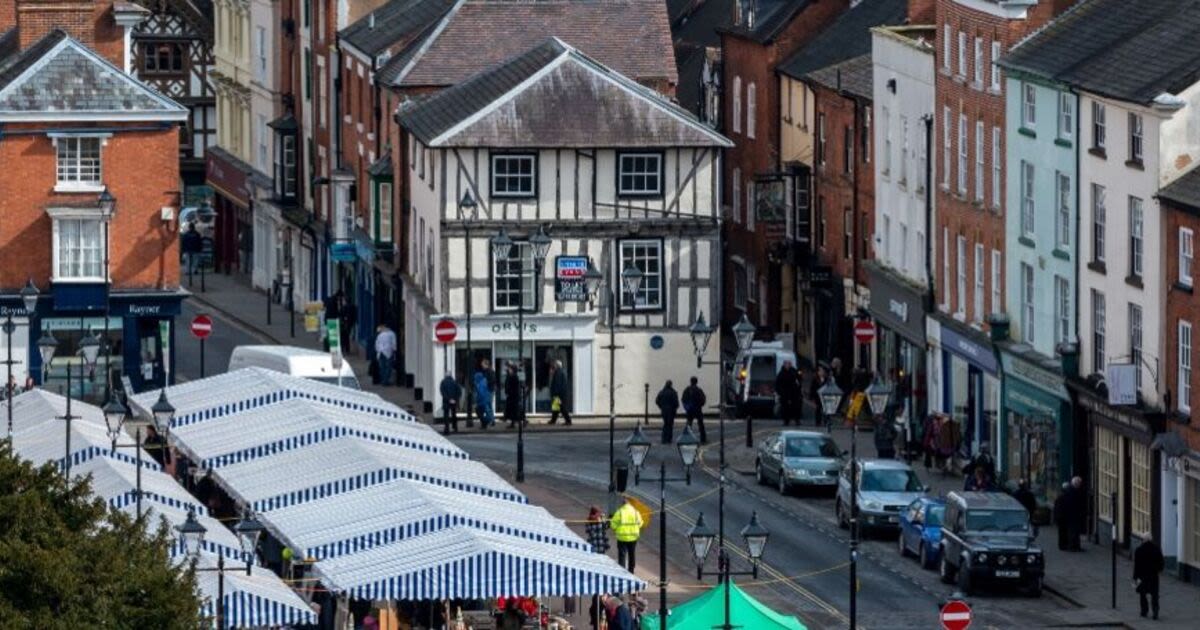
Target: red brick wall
[1181, 305]
[838, 190]
[141, 169]
[89, 21]
[358, 102]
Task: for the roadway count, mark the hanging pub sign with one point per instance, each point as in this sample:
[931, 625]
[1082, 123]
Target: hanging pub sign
[569, 282]
[770, 208]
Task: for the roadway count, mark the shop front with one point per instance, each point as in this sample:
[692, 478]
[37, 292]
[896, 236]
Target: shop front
[234, 232]
[1122, 462]
[1036, 435]
[964, 382]
[898, 308]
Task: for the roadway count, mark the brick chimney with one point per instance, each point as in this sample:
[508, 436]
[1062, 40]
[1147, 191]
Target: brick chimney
[921, 11]
[89, 21]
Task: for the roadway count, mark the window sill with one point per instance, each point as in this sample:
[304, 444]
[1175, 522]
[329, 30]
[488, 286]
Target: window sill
[1098, 152]
[640, 196]
[1098, 266]
[1134, 281]
[994, 90]
[78, 188]
[1183, 415]
[1179, 286]
[1063, 142]
[1025, 131]
[1027, 242]
[510, 197]
[89, 280]
[1061, 254]
[1135, 164]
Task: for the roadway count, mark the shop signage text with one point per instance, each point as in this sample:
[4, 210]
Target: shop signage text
[1051, 382]
[569, 282]
[8, 311]
[899, 309]
[977, 354]
[1118, 416]
[145, 309]
[511, 327]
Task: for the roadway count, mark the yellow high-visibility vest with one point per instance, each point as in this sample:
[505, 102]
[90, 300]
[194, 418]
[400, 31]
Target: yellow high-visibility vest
[626, 523]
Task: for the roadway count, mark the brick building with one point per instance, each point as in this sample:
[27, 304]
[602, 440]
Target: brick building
[91, 193]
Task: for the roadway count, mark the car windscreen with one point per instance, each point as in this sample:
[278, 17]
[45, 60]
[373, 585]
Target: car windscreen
[890, 480]
[810, 447]
[762, 375]
[934, 515]
[997, 520]
[349, 382]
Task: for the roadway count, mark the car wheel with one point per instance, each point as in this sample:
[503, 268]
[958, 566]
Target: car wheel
[923, 552]
[901, 545]
[1035, 587]
[964, 580]
[782, 484]
[758, 473]
[945, 570]
[841, 516]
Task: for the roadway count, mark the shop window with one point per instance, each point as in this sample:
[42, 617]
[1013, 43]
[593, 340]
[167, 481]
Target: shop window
[68, 332]
[647, 257]
[640, 174]
[513, 175]
[78, 163]
[1139, 457]
[513, 279]
[1108, 449]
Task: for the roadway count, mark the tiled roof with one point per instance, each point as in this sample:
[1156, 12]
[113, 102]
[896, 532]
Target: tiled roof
[394, 24]
[855, 76]
[58, 77]
[381, 167]
[848, 37]
[1132, 50]
[692, 35]
[1185, 190]
[521, 104]
[770, 18]
[631, 36]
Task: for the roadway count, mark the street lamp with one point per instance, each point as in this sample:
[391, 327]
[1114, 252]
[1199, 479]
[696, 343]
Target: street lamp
[743, 332]
[502, 247]
[192, 532]
[89, 348]
[754, 536]
[631, 282]
[108, 210]
[29, 298]
[639, 447]
[468, 213]
[701, 333]
[116, 415]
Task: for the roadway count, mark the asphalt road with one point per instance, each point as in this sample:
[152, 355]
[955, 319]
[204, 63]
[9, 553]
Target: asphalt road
[220, 344]
[805, 572]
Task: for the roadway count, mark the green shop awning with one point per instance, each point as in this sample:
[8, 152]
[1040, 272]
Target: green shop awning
[708, 610]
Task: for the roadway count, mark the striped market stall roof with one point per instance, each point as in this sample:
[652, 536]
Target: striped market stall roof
[468, 563]
[252, 601]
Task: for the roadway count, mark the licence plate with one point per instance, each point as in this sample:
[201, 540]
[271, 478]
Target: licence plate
[1008, 574]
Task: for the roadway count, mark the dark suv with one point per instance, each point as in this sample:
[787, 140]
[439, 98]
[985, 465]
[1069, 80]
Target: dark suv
[986, 538]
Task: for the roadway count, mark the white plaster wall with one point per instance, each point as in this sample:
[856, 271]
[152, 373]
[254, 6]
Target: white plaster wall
[1181, 138]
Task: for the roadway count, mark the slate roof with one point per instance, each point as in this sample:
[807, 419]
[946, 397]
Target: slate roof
[553, 95]
[381, 167]
[1130, 50]
[855, 74]
[631, 36]
[770, 18]
[692, 35]
[1185, 190]
[58, 77]
[848, 37]
[396, 24]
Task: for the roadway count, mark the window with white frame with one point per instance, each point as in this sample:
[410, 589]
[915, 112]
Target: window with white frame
[1135, 341]
[995, 83]
[997, 163]
[1027, 303]
[1066, 115]
[740, 291]
[78, 163]
[737, 104]
[922, 152]
[821, 140]
[736, 193]
[962, 154]
[847, 149]
[886, 165]
[1108, 471]
[513, 279]
[513, 175]
[1099, 323]
[1027, 199]
[962, 54]
[647, 256]
[1184, 361]
[751, 109]
[385, 212]
[904, 248]
[904, 153]
[961, 260]
[1062, 309]
[1098, 126]
[1028, 105]
[980, 274]
[1062, 226]
[946, 46]
[1185, 257]
[979, 61]
[867, 138]
[752, 283]
[1135, 137]
[751, 210]
[885, 241]
[997, 269]
[1099, 221]
[979, 161]
[260, 44]
[1140, 522]
[640, 174]
[919, 270]
[847, 233]
[946, 269]
[78, 246]
[946, 146]
[1136, 242]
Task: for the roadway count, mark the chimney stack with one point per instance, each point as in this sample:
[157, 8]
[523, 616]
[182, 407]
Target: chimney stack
[921, 11]
[92, 22]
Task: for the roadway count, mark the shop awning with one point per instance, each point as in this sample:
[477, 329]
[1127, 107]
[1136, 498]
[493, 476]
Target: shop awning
[707, 611]
[251, 601]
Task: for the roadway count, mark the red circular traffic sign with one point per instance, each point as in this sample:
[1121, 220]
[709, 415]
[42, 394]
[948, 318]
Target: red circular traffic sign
[864, 331]
[445, 331]
[201, 326]
[956, 615]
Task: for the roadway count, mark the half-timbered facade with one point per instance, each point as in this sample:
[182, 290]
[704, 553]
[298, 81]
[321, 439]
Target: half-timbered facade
[172, 50]
[615, 174]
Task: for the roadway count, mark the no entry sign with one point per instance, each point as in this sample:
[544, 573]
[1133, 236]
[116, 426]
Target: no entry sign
[445, 331]
[201, 326]
[864, 331]
[956, 615]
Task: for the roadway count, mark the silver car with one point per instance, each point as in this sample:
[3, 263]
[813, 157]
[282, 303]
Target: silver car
[798, 458]
[885, 487]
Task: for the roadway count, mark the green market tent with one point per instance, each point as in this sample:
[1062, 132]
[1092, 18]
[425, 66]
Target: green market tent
[708, 610]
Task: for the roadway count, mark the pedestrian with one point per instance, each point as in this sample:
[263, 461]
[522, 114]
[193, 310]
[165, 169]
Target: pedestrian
[626, 524]
[668, 405]
[560, 398]
[1025, 497]
[885, 439]
[483, 398]
[1076, 513]
[982, 460]
[191, 244]
[385, 352]
[597, 530]
[349, 318]
[29, 384]
[512, 397]
[1061, 518]
[617, 612]
[693, 405]
[451, 394]
[978, 482]
[1147, 564]
[787, 388]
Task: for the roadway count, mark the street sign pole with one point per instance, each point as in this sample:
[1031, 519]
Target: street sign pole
[202, 357]
[333, 334]
[201, 328]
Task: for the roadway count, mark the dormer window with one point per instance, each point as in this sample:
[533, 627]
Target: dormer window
[78, 163]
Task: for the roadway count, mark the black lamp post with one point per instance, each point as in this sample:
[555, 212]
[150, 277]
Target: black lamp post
[89, 349]
[192, 532]
[108, 211]
[631, 282]
[468, 213]
[638, 447]
[29, 299]
[701, 537]
[743, 332]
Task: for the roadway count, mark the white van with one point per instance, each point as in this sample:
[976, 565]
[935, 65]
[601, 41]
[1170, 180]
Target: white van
[753, 378]
[302, 362]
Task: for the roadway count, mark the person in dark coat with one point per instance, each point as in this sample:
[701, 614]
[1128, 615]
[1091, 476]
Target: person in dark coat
[885, 439]
[451, 393]
[787, 387]
[1025, 497]
[693, 407]
[512, 397]
[1076, 514]
[333, 310]
[978, 482]
[619, 617]
[668, 405]
[1147, 564]
[560, 390]
[1061, 505]
[349, 317]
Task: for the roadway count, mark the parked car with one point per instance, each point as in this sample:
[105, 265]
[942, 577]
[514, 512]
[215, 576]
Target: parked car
[921, 530]
[987, 539]
[885, 487]
[754, 373]
[302, 362]
[798, 458]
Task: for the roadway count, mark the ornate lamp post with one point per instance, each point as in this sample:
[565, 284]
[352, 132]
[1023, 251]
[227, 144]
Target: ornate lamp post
[701, 537]
[29, 298]
[192, 532]
[468, 213]
[743, 332]
[89, 349]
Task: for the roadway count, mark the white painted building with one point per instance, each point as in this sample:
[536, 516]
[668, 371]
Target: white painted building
[615, 174]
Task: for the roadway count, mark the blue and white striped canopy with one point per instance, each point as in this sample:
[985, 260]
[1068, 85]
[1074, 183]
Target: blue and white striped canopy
[251, 601]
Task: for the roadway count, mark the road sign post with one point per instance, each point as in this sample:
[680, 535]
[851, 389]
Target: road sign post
[446, 331]
[201, 328]
[333, 334]
[864, 331]
[956, 615]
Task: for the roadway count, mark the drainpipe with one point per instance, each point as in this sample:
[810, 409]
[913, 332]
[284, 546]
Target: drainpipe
[930, 296]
